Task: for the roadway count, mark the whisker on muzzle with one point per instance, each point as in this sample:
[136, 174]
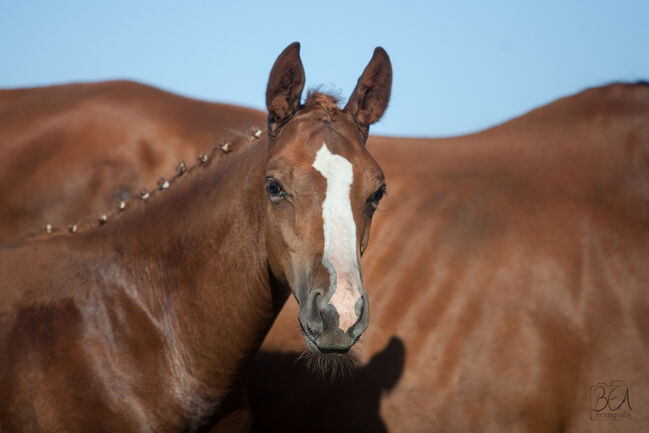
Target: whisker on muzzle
[328, 366]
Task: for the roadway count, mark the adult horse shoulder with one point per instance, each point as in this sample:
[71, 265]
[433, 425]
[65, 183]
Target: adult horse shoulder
[509, 284]
[75, 150]
[147, 322]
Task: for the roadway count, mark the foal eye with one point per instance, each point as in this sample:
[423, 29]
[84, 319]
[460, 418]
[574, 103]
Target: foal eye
[377, 196]
[274, 190]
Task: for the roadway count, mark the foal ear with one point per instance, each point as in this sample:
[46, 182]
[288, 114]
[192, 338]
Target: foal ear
[285, 86]
[372, 93]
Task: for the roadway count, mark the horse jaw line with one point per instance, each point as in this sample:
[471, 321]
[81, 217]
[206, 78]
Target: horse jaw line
[339, 235]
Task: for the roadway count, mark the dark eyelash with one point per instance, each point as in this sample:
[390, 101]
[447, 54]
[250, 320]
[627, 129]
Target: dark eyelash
[379, 194]
[373, 201]
[274, 189]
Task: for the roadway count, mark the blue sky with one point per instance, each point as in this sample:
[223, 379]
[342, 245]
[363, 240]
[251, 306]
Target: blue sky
[459, 66]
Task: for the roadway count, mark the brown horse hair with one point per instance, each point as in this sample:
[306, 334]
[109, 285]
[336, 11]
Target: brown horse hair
[205, 159]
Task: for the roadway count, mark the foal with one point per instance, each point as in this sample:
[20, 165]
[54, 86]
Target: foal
[147, 322]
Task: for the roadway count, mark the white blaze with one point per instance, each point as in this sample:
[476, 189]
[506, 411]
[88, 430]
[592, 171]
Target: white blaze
[339, 235]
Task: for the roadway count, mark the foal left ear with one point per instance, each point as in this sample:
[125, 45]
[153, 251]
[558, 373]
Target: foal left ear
[372, 93]
[285, 86]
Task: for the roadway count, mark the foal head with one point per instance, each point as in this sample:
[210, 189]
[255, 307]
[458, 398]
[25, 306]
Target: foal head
[323, 188]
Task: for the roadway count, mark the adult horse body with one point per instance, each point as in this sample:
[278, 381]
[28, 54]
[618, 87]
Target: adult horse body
[145, 323]
[77, 150]
[509, 281]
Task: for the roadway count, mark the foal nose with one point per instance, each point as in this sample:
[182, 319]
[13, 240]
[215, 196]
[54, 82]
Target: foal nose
[323, 323]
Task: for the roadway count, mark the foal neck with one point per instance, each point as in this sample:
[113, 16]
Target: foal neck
[198, 258]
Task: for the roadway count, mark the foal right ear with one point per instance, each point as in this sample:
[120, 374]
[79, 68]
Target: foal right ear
[285, 86]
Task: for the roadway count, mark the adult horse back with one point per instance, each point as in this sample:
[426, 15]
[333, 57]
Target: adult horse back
[508, 273]
[146, 320]
[77, 150]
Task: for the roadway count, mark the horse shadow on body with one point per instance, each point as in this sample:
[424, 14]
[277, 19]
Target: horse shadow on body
[285, 396]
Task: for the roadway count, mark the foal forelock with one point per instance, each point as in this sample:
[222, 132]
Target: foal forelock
[339, 255]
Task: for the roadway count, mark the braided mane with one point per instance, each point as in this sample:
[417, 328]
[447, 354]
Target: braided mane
[203, 160]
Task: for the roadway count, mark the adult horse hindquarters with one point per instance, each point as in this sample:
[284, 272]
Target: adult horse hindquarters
[145, 323]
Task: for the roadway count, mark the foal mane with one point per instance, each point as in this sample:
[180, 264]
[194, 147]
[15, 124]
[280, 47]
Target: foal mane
[206, 159]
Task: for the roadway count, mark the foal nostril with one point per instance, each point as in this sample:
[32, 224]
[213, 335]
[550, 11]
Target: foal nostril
[358, 329]
[358, 308]
[314, 323]
[311, 332]
[363, 319]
